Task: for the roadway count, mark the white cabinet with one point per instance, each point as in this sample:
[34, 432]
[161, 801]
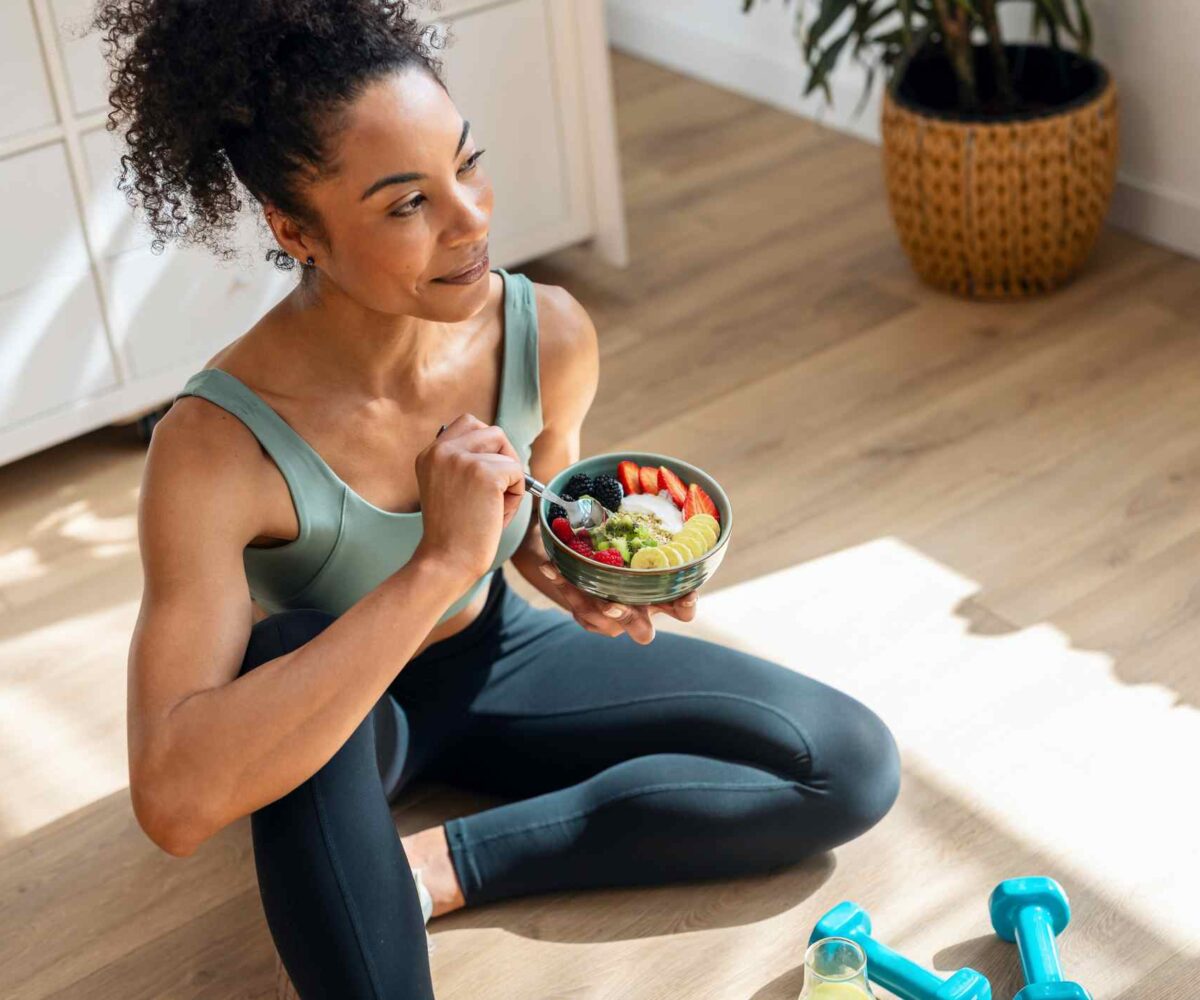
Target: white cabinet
[95, 328]
[501, 77]
[81, 55]
[53, 348]
[24, 91]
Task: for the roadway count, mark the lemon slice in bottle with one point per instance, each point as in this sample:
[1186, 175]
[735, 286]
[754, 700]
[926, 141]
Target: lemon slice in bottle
[649, 558]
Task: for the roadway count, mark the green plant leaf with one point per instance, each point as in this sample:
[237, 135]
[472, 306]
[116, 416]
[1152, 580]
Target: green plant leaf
[827, 16]
[819, 76]
[1085, 27]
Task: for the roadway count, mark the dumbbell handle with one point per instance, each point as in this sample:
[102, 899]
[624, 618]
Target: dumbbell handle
[1039, 950]
[893, 971]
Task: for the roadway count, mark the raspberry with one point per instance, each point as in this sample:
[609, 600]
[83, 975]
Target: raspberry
[612, 557]
[581, 544]
[562, 527]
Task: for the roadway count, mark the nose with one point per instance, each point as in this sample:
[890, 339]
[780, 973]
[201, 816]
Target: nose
[472, 214]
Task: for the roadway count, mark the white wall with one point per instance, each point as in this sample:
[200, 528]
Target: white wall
[1150, 47]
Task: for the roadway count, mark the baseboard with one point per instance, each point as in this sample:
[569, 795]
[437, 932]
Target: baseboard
[1164, 217]
[634, 27]
[1161, 216]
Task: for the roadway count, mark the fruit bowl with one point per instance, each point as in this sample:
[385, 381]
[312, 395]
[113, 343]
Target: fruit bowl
[624, 583]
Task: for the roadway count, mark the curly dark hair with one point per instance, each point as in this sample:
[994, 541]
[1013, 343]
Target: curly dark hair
[217, 92]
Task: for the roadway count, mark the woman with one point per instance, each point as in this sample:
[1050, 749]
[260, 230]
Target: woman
[388, 645]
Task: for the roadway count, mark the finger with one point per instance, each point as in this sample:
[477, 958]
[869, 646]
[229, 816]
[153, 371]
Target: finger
[635, 621]
[460, 425]
[550, 572]
[484, 439]
[588, 611]
[610, 633]
[683, 608]
[640, 627]
[505, 474]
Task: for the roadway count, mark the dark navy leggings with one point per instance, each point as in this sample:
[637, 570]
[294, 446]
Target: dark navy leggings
[625, 765]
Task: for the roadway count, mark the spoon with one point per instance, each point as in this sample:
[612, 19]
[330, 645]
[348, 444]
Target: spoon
[583, 513]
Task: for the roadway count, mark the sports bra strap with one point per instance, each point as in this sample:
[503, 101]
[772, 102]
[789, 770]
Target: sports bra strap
[317, 496]
[521, 408]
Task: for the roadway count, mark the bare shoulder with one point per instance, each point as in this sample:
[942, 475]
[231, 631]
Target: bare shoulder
[568, 354]
[563, 324]
[202, 458]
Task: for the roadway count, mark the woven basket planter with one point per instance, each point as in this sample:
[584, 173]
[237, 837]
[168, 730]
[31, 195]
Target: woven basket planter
[1001, 209]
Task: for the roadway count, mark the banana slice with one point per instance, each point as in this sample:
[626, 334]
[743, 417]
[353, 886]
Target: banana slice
[703, 528]
[649, 558]
[684, 553]
[708, 519]
[675, 557]
[694, 543]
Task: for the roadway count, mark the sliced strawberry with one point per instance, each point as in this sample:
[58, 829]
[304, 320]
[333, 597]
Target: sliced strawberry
[629, 477]
[649, 476]
[667, 480]
[699, 502]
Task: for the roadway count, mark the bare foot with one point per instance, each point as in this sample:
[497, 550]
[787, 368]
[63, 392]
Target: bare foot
[429, 851]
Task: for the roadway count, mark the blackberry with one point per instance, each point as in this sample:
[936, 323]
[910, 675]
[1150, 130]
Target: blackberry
[578, 485]
[556, 509]
[608, 490]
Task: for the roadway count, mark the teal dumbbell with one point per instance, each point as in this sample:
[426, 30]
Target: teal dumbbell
[1033, 912]
[892, 970]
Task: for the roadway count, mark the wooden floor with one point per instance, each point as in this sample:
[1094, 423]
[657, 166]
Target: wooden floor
[983, 519]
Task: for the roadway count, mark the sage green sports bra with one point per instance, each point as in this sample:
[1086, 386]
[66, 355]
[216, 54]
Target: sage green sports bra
[347, 546]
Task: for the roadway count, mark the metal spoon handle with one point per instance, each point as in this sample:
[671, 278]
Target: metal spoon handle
[541, 490]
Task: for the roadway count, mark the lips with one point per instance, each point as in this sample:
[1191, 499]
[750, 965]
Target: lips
[466, 270]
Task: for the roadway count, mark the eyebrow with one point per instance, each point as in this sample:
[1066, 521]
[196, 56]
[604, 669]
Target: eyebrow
[405, 178]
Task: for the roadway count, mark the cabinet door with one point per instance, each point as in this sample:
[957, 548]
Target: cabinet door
[42, 234]
[53, 346]
[24, 92]
[52, 341]
[180, 306]
[500, 71]
[83, 58]
[183, 306]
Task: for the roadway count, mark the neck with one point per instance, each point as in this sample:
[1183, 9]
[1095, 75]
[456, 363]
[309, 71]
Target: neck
[369, 354]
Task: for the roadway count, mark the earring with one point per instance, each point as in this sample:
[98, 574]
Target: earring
[310, 262]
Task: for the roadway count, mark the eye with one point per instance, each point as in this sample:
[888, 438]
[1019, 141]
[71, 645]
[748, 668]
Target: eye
[408, 208]
[471, 161]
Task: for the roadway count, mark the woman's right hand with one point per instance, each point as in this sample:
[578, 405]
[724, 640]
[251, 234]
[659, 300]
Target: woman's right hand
[470, 480]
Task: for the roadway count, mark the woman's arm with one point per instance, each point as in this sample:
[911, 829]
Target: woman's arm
[207, 746]
[569, 363]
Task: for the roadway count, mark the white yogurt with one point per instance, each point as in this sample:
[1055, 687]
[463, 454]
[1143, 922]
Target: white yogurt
[655, 503]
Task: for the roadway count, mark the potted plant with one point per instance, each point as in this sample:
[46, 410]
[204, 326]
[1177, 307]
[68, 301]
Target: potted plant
[1000, 159]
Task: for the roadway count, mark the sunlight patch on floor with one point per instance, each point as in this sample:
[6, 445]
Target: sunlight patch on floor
[1042, 738]
[62, 732]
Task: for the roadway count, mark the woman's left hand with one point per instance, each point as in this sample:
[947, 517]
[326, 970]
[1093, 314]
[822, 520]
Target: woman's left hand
[594, 613]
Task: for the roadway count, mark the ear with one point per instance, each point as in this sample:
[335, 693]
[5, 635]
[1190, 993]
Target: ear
[288, 235]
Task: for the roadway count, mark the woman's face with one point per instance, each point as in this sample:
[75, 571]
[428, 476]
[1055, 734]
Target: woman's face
[408, 204]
